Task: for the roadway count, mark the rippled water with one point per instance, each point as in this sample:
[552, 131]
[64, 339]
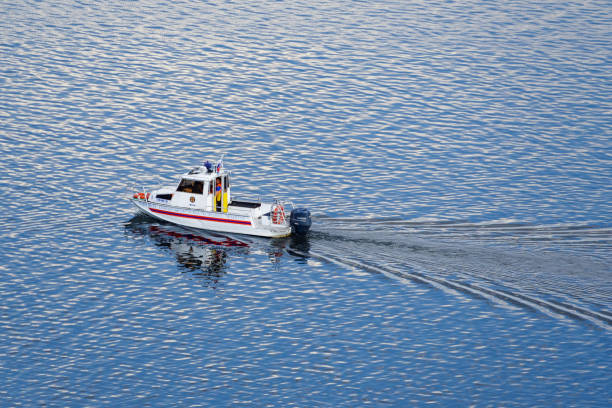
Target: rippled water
[455, 155]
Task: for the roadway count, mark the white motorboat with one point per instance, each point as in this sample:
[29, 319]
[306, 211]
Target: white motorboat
[203, 199]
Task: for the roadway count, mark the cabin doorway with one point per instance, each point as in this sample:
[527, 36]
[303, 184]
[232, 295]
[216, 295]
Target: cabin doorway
[219, 190]
[218, 194]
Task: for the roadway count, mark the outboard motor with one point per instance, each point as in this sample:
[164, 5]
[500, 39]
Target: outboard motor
[300, 221]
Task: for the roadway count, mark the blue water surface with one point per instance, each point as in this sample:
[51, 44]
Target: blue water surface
[456, 157]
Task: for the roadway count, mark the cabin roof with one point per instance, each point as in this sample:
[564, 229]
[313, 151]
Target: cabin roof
[200, 173]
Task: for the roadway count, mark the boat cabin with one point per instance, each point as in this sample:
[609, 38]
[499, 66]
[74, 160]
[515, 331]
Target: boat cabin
[200, 188]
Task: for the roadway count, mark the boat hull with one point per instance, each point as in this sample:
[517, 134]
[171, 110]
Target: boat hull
[212, 221]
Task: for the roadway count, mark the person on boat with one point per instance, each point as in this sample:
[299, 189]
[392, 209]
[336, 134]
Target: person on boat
[218, 195]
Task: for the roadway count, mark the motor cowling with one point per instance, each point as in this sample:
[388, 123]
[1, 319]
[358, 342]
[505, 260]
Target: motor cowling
[300, 221]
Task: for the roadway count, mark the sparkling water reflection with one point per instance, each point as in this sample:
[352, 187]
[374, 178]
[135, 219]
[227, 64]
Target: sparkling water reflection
[455, 155]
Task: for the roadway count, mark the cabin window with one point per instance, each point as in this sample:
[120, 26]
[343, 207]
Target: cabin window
[191, 186]
[226, 183]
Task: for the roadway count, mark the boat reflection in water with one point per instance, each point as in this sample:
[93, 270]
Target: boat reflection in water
[205, 254]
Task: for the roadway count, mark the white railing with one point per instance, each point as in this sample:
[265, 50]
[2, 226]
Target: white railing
[287, 206]
[141, 194]
[134, 190]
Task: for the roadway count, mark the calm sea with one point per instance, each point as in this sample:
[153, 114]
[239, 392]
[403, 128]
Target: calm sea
[456, 157]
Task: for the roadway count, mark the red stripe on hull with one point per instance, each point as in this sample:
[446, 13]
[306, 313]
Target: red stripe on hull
[200, 217]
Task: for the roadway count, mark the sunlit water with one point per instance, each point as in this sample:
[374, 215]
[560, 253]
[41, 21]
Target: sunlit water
[455, 155]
